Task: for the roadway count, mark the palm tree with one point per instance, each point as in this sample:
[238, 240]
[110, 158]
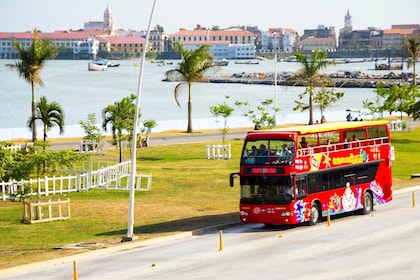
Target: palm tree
[309, 73]
[413, 47]
[29, 67]
[120, 116]
[49, 114]
[191, 69]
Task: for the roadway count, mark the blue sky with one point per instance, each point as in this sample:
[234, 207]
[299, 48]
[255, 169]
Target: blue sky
[50, 15]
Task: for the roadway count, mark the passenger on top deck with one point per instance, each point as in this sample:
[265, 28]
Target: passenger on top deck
[303, 143]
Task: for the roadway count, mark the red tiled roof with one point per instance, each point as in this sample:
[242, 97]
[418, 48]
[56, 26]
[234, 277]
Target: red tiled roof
[72, 35]
[209, 42]
[213, 33]
[122, 39]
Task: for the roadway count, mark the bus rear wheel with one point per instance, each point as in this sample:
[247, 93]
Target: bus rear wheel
[367, 204]
[313, 220]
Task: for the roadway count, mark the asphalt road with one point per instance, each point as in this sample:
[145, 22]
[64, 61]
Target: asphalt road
[382, 245]
[166, 140]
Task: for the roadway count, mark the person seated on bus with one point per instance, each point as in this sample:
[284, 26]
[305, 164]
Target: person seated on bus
[328, 145]
[253, 151]
[303, 143]
[285, 155]
[346, 144]
[262, 154]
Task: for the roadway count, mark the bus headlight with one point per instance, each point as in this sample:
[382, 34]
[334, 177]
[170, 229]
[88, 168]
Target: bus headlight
[243, 213]
[285, 214]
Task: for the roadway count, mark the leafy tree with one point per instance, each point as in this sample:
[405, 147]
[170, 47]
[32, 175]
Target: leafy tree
[6, 160]
[325, 98]
[414, 110]
[37, 161]
[49, 114]
[309, 74]
[222, 110]
[374, 107]
[160, 28]
[148, 125]
[32, 61]
[194, 64]
[413, 48]
[120, 116]
[92, 131]
[260, 118]
[397, 98]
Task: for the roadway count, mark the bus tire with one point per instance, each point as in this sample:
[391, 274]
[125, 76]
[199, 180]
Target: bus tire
[367, 204]
[314, 218]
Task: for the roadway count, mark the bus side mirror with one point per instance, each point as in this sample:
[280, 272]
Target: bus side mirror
[232, 177]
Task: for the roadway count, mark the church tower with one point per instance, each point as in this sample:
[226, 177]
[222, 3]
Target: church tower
[347, 22]
[108, 21]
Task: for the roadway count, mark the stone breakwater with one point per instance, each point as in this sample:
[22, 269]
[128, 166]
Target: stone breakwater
[341, 79]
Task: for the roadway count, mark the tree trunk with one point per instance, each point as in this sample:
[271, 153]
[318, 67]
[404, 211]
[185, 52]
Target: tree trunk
[189, 126]
[33, 112]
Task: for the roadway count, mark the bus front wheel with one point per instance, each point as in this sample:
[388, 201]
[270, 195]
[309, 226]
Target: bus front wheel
[313, 220]
[367, 203]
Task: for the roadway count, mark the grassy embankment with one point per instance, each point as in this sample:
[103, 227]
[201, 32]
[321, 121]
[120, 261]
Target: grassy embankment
[188, 192]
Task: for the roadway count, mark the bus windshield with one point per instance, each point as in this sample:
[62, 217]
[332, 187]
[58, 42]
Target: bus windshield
[262, 190]
[272, 151]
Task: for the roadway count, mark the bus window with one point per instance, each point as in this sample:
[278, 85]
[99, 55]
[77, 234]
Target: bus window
[378, 132]
[268, 152]
[317, 182]
[355, 135]
[266, 189]
[301, 185]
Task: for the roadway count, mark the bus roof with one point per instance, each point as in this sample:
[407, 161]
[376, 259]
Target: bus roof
[330, 126]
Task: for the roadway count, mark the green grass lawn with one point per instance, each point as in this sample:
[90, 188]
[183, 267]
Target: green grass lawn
[188, 192]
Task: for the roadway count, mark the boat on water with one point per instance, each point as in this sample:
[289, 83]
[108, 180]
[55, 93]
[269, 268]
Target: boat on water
[97, 65]
[110, 64]
[221, 62]
[247, 62]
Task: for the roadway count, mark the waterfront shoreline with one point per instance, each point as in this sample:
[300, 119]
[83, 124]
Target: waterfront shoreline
[341, 80]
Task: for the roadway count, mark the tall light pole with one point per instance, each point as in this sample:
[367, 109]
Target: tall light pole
[275, 90]
[130, 235]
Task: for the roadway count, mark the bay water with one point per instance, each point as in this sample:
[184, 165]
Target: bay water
[81, 92]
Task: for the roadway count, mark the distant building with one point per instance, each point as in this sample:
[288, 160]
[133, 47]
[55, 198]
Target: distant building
[234, 43]
[131, 46]
[85, 49]
[356, 40]
[348, 25]
[320, 32]
[311, 44]
[279, 40]
[107, 25]
[63, 39]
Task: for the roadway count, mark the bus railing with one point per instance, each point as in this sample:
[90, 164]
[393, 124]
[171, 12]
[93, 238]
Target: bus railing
[341, 146]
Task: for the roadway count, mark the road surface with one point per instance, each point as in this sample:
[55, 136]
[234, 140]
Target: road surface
[382, 245]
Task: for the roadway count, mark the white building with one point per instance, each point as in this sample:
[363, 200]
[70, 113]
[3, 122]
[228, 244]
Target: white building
[87, 48]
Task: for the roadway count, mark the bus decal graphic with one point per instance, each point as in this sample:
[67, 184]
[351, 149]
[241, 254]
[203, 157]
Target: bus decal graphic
[345, 203]
[378, 194]
[300, 209]
[351, 159]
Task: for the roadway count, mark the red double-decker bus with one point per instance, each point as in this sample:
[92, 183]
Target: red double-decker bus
[298, 174]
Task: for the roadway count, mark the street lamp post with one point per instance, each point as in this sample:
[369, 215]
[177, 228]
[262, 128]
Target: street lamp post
[130, 229]
[275, 90]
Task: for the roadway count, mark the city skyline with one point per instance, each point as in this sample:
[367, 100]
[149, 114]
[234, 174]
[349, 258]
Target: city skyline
[47, 15]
